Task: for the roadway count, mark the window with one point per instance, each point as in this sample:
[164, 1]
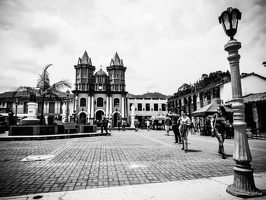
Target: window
[39, 107]
[147, 107]
[139, 107]
[51, 107]
[100, 102]
[156, 107]
[82, 102]
[130, 105]
[116, 102]
[25, 107]
[163, 107]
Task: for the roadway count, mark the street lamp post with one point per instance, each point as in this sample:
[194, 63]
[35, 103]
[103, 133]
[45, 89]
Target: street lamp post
[243, 184]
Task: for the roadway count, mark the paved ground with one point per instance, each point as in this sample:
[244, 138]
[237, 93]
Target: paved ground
[125, 158]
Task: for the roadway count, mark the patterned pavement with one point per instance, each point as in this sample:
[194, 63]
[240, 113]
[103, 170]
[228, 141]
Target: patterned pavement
[125, 158]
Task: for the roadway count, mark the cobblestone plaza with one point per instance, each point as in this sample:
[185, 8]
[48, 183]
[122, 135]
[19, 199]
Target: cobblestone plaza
[125, 158]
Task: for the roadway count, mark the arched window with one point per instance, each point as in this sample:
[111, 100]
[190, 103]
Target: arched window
[116, 102]
[82, 102]
[100, 102]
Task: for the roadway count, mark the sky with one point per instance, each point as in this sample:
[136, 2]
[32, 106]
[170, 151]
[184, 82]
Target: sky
[163, 43]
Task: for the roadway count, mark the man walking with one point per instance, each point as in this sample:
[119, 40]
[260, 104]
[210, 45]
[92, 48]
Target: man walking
[175, 124]
[104, 123]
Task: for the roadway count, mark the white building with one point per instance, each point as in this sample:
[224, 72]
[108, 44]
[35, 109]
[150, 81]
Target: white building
[148, 104]
[251, 84]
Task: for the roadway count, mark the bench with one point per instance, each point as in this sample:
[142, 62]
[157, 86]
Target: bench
[70, 127]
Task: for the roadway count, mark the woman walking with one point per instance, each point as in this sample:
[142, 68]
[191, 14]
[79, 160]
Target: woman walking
[183, 129]
[167, 124]
[136, 124]
[219, 122]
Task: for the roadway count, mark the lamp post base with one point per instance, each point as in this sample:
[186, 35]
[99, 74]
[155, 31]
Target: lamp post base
[243, 185]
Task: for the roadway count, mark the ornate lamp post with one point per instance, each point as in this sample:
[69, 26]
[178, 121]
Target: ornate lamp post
[243, 185]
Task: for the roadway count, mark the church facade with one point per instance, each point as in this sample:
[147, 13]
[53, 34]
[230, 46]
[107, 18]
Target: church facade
[99, 93]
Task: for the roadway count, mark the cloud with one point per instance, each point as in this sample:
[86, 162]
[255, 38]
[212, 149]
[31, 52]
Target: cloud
[163, 44]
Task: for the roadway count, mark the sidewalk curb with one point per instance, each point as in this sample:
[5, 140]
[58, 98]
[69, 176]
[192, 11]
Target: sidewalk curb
[202, 189]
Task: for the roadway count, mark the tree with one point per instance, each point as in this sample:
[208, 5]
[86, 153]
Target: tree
[45, 89]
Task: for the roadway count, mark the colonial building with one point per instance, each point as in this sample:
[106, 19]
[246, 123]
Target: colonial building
[100, 93]
[17, 102]
[148, 104]
[253, 91]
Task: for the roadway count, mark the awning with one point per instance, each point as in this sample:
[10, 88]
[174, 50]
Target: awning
[209, 109]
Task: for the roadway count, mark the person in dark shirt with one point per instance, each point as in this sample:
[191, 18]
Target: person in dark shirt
[175, 125]
[104, 123]
[219, 121]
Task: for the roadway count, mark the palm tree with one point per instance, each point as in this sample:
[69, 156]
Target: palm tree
[45, 89]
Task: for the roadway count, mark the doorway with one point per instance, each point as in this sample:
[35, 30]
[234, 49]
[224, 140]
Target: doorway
[82, 118]
[116, 116]
[99, 115]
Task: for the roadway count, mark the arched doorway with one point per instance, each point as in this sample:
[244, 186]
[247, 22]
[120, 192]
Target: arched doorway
[116, 116]
[99, 115]
[82, 118]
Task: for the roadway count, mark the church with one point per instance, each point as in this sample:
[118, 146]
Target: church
[95, 94]
[99, 93]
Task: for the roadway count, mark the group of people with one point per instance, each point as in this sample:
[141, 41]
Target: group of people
[107, 124]
[181, 125]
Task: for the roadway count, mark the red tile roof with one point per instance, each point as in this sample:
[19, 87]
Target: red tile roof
[258, 97]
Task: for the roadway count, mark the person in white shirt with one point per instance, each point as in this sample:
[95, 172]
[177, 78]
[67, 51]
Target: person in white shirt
[148, 124]
[184, 122]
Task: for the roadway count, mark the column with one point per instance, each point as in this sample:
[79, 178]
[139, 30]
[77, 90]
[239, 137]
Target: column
[123, 107]
[89, 107]
[92, 107]
[111, 105]
[107, 107]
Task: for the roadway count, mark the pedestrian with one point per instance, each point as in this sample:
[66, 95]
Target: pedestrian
[167, 124]
[219, 128]
[104, 123]
[118, 124]
[192, 127]
[175, 124]
[123, 124]
[148, 124]
[136, 124]
[110, 125]
[183, 128]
